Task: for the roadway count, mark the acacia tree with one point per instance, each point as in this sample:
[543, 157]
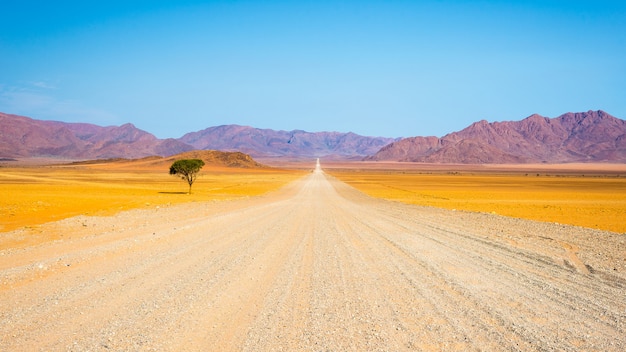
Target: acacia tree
[187, 169]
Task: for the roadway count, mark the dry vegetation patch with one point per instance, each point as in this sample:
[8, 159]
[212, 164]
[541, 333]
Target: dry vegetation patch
[31, 196]
[591, 201]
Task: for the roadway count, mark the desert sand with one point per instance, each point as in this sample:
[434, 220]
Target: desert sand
[315, 266]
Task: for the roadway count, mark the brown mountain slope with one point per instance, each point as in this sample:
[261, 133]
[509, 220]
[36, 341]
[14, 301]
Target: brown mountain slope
[270, 143]
[25, 137]
[21, 137]
[592, 136]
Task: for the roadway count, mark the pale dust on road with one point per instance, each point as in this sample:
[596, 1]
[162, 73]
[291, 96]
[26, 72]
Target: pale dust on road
[316, 266]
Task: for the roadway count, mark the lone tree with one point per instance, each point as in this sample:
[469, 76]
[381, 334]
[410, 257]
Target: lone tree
[187, 169]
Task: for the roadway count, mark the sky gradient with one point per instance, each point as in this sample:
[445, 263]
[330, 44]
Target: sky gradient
[377, 68]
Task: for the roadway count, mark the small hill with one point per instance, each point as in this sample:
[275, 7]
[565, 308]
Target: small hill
[211, 158]
[592, 136]
[218, 158]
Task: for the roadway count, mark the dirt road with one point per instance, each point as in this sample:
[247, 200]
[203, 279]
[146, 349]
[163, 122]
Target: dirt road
[316, 266]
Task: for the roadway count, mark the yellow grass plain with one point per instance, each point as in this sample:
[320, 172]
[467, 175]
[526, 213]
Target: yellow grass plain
[590, 201]
[30, 196]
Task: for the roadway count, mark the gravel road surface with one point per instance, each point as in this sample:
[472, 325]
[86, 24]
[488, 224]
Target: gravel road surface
[316, 266]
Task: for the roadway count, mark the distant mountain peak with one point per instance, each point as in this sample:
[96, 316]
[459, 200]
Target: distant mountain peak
[28, 137]
[592, 136]
[535, 117]
[295, 144]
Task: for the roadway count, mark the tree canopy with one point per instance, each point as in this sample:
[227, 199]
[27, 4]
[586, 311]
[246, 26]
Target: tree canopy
[187, 169]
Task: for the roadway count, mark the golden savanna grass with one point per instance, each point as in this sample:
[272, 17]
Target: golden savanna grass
[30, 196]
[591, 201]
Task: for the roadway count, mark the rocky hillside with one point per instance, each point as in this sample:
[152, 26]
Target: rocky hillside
[270, 143]
[23, 137]
[592, 136]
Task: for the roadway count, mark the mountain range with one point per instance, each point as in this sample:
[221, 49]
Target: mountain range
[593, 136]
[298, 143]
[23, 137]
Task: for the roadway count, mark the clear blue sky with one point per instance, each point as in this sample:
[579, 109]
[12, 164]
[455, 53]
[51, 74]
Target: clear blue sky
[378, 68]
